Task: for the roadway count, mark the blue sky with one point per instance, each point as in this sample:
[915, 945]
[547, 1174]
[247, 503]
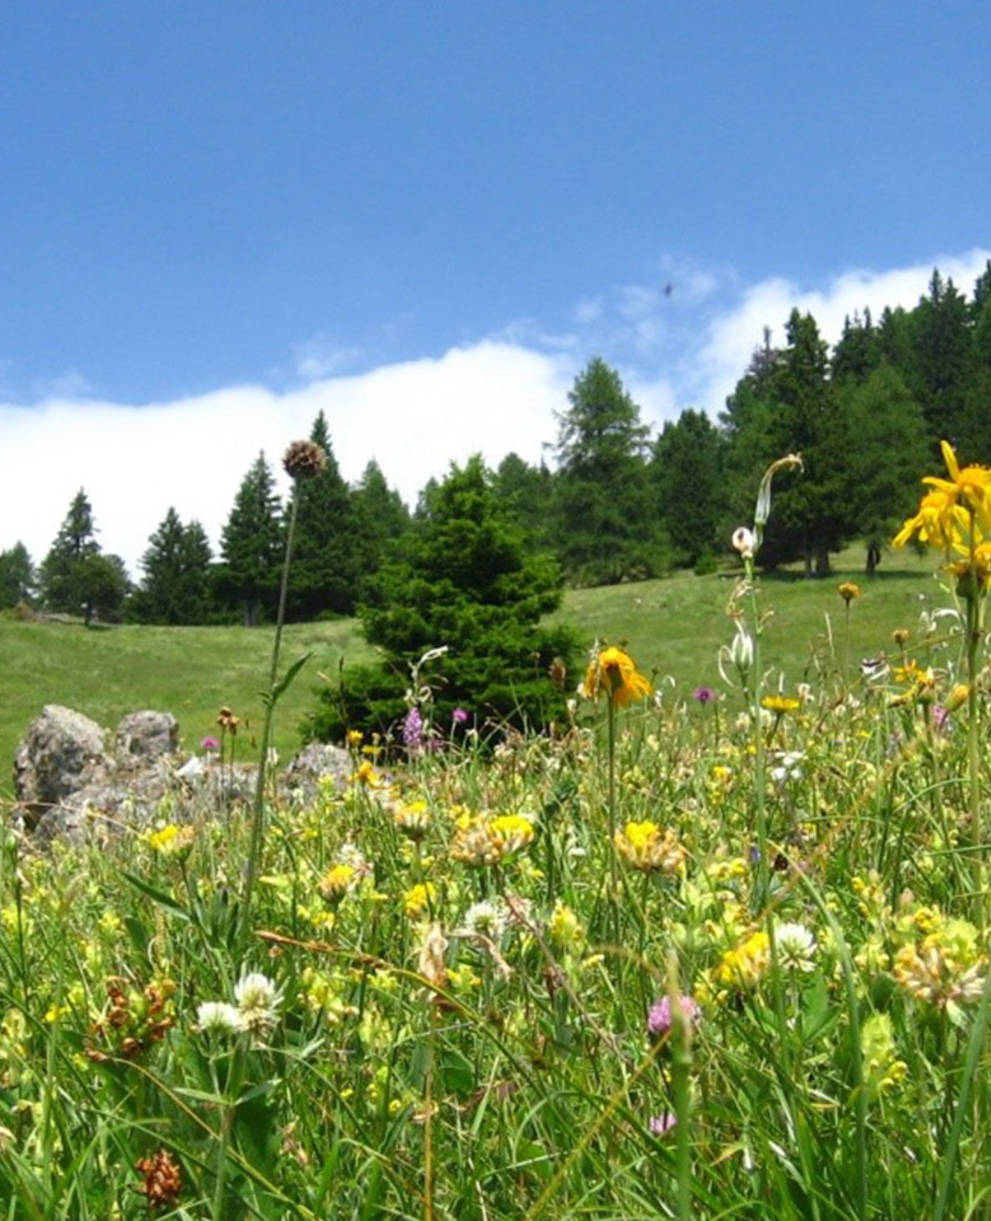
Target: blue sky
[217, 217]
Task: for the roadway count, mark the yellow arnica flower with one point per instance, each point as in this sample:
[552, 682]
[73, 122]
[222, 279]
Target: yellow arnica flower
[848, 591]
[614, 674]
[780, 703]
[944, 514]
[646, 847]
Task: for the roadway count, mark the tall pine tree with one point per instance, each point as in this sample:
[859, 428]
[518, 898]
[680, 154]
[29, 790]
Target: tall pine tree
[252, 546]
[176, 586]
[605, 527]
[324, 571]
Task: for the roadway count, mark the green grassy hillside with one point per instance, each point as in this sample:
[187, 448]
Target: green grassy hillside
[673, 627]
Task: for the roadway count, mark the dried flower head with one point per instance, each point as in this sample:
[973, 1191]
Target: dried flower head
[162, 1179]
[848, 590]
[304, 460]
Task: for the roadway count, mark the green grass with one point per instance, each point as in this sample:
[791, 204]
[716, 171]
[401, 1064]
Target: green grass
[189, 671]
[673, 627]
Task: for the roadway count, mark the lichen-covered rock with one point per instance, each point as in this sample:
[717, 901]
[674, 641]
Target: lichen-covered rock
[312, 763]
[147, 735]
[61, 752]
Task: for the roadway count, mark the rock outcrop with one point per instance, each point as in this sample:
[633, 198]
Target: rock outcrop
[73, 780]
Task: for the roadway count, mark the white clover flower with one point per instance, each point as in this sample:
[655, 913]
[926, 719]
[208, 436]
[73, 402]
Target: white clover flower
[796, 947]
[488, 918]
[217, 1017]
[258, 1002]
[743, 542]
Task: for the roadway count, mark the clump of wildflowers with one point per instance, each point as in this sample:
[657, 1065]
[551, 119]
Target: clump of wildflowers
[647, 848]
[881, 1067]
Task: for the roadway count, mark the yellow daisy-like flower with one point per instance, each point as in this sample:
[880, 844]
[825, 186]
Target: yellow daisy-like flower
[647, 848]
[780, 703]
[944, 514]
[614, 674]
[848, 590]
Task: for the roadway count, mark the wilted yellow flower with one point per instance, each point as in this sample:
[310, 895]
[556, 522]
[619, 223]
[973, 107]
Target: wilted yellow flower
[472, 843]
[614, 674]
[644, 846]
[431, 959]
[848, 590]
[412, 819]
[957, 697]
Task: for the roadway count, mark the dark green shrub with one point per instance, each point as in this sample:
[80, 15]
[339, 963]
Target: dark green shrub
[468, 580]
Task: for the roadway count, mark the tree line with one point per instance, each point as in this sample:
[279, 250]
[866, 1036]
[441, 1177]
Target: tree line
[613, 503]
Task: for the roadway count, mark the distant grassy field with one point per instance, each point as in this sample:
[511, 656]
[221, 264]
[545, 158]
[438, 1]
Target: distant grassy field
[673, 627]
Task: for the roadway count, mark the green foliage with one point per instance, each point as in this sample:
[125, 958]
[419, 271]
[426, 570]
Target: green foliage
[380, 519]
[177, 583]
[252, 546]
[687, 473]
[325, 562]
[605, 524]
[17, 578]
[465, 579]
[75, 577]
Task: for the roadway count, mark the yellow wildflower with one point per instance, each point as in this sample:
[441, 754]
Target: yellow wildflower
[780, 704]
[644, 846]
[419, 898]
[412, 819]
[747, 963]
[366, 775]
[355, 737]
[944, 514]
[614, 674]
[337, 881]
[171, 840]
[512, 832]
[848, 590]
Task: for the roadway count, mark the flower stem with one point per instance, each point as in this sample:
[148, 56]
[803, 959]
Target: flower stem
[258, 811]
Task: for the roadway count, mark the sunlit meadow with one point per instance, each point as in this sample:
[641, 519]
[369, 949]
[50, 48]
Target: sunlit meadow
[711, 953]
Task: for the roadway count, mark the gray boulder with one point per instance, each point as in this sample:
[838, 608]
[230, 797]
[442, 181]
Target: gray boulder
[311, 764]
[61, 752]
[147, 735]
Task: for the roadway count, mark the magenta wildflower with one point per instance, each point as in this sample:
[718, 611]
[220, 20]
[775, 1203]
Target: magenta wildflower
[659, 1017]
[413, 730]
[704, 695]
[460, 716]
[210, 744]
[661, 1125]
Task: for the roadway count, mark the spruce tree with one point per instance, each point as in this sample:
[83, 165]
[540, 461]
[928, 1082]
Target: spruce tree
[687, 470]
[175, 588]
[62, 572]
[380, 521]
[468, 579]
[325, 562]
[251, 546]
[605, 527]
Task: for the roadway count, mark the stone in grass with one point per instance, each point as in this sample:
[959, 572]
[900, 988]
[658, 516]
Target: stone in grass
[147, 735]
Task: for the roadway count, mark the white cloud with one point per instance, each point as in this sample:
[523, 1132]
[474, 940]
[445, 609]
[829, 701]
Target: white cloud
[134, 461]
[713, 368]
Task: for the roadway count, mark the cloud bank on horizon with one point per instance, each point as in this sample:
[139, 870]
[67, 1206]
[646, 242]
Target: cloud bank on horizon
[494, 395]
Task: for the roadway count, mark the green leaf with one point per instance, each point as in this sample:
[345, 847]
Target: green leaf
[157, 896]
